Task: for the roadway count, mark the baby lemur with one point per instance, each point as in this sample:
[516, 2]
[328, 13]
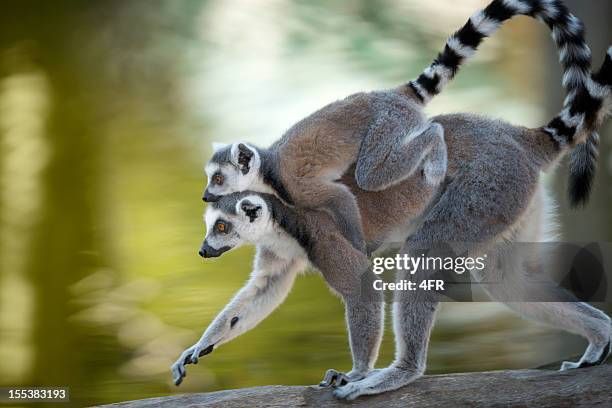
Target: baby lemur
[491, 191]
[386, 134]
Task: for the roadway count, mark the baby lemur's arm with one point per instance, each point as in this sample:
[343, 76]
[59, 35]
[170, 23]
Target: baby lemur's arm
[394, 149]
[268, 286]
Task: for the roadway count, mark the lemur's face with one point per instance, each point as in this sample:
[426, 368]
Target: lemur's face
[232, 168]
[234, 220]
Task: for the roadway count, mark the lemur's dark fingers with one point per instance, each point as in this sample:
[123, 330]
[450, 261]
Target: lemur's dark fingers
[178, 373]
[178, 380]
[334, 378]
[341, 380]
[200, 353]
[207, 350]
[192, 358]
[330, 376]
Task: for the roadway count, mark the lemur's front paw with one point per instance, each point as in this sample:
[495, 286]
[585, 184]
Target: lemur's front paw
[189, 356]
[336, 378]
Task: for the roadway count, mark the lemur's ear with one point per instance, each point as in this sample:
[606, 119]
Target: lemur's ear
[250, 210]
[216, 146]
[242, 155]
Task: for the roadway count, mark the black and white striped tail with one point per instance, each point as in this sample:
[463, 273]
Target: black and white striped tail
[582, 107]
[583, 159]
[583, 167]
[567, 31]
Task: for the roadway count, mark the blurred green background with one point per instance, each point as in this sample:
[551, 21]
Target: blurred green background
[107, 112]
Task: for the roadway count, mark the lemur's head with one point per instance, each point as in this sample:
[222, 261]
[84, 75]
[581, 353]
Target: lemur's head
[233, 167]
[234, 220]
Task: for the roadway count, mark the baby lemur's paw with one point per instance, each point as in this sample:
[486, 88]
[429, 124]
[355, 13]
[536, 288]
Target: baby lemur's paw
[434, 172]
[436, 163]
[334, 378]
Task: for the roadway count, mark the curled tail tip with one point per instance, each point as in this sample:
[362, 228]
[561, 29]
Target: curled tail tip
[583, 168]
[579, 190]
[604, 75]
[580, 184]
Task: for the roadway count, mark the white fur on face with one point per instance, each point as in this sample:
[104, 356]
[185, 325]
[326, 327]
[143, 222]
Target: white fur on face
[210, 217]
[242, 230]
[262, 231]
[216, 239]
[253, 231]
[233, 179]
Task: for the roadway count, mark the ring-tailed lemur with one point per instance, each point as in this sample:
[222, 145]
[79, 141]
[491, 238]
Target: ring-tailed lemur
[289, 238]
[492, 191]
[466, 144]
[386, 134]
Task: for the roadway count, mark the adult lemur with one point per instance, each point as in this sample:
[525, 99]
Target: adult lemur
[491, 191]
[386, 134]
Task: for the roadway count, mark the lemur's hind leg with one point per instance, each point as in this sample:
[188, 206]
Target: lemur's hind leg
[414, 311]
[558, 308]
[413, 319]
[575, 317]
[394, 149]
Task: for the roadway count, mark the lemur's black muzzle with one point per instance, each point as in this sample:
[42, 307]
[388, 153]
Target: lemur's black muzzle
[209, 252]
[209, 198]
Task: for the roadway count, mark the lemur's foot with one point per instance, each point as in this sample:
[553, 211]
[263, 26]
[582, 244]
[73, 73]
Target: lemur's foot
[592, 357]
[189, 356]
[336, 378]
[387, 379]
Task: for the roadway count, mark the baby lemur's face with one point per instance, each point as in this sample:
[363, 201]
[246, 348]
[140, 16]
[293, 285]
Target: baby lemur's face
[232, 168]
[234, 220]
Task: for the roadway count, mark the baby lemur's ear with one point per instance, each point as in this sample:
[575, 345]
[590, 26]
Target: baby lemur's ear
[250, 209]
[241, 156]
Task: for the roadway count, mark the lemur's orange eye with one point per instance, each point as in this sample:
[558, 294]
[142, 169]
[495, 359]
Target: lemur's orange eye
[221, 227]
[217, 179]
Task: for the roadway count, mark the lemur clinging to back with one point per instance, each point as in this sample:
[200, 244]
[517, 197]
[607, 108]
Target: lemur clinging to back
[389, 130]
[513, 156]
